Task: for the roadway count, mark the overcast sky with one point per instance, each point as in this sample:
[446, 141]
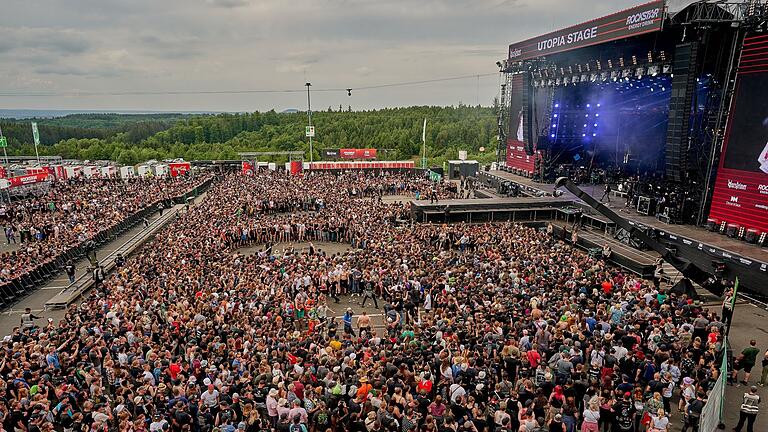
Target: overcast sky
[211, 45]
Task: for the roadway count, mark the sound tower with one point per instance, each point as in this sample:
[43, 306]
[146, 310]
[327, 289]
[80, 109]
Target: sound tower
[681, 100]
[528, 114]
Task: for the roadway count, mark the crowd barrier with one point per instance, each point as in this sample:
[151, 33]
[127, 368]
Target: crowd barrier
[14, 290]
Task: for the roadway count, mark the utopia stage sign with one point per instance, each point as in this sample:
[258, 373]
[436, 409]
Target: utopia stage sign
[638, 20]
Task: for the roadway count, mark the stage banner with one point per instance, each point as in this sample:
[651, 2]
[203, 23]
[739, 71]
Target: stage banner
[248, 168]
[329, 154]
[741, 186]
[28, 179]
[357, 153]
[517, 158]
[179, 168]
[635, 21]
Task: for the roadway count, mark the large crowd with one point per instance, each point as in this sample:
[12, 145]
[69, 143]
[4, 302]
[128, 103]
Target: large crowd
[70, 213]
[485, 327]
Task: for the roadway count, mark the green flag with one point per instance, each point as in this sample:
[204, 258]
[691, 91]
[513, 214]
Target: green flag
[735, 290]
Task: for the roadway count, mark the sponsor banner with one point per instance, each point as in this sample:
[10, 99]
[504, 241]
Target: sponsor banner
[248, 168]
[741, 187]
[179, 168]
[638, 20]
[361, 165]
[329, 154]
[357, 153]
[28, 179]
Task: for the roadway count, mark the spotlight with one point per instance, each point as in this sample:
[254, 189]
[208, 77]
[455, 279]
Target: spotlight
[589, 105]
[639, 72]
[558, 81]
[626, 73]
[593, 77]
[604, 76]
[665, 69]
[349, 92]
[557, 105]
[653, 70]
[555, 116]
[585, 77]
[598, 105]
[553, 135]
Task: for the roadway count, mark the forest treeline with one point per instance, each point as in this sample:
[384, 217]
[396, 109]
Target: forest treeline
[395, 132]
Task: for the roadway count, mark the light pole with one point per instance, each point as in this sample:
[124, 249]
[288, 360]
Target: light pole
[309, 118]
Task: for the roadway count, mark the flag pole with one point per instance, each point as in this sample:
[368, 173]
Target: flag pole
[5, 152]
[424, 145]
[733, 305]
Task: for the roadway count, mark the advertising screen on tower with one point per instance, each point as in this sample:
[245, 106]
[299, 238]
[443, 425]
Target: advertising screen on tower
[638, 20]
[741, 187]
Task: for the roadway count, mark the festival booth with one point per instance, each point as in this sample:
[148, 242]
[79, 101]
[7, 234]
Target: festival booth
[127, 172]
[91, 171]
[109, 171]
[73, 171]
[161, 170]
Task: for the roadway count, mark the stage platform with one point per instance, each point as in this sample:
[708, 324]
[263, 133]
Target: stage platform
[488, 210]
[748, 262]
[617, 204]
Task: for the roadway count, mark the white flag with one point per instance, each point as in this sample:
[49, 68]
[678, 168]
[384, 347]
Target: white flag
[424, 132]
[520, 136]
[35, 133]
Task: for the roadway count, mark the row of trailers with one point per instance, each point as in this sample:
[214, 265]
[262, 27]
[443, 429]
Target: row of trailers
[19, 176]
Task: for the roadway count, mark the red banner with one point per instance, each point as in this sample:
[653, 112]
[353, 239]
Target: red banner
[28, 179]
[60, 172]
[179, 168]
[3, 172]
[741, 187]
[248, 168]
[361, 165]
[357, 153]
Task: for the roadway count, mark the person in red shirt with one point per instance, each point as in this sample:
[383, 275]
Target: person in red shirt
[534, 358]
[298, 389]
[174, 369]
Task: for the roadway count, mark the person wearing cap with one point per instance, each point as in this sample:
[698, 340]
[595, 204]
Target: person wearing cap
[750, 407]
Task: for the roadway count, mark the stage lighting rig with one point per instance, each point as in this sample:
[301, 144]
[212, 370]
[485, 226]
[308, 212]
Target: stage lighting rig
[639, 72]
[653, 70]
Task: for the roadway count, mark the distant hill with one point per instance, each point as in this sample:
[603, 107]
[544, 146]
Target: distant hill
[31, 113]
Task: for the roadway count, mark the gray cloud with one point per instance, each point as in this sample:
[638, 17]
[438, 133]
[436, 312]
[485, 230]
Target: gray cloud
[110, 45]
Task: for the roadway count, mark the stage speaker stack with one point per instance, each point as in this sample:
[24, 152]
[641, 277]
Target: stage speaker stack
[752, 235]
[732, 230]
[712, 224]
[528, 136]
[683, 89]
[762, 240]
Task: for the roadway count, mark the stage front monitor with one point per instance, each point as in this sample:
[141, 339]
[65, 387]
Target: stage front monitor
[741, 186]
